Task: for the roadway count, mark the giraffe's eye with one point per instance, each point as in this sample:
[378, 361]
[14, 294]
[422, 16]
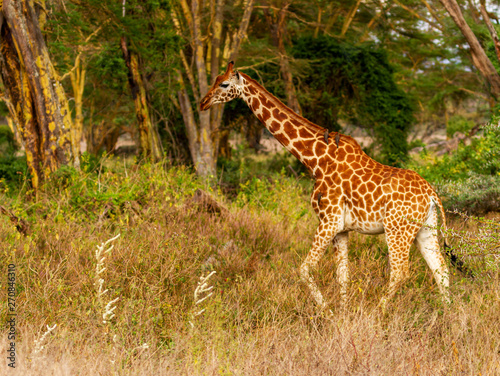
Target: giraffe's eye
[224, 85]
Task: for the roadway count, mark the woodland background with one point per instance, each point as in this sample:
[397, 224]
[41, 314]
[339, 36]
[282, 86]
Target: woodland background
[394, 72]
[101, 135]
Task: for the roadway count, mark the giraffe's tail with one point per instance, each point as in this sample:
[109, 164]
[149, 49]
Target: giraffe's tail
[455, 260]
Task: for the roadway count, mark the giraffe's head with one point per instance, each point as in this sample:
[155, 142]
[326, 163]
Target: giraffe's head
[225, 88]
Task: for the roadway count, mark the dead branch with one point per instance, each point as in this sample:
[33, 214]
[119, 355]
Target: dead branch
[21, 225]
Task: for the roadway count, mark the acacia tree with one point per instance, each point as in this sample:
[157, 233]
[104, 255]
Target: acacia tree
[479, 57]
[202, 60]
[32, 91]
[72, 42]
[276, 19]
[148, 135]
[110, 50]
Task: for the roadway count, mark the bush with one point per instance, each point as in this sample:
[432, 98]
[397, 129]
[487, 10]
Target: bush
[476, 195]
[355, 83]
[244, 166]
[481, 157]
[7, 142]
[460, 124]
[469, 179]
[13, 170]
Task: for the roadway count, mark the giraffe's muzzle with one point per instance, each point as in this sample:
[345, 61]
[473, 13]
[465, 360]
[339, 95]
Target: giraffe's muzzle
[206, 103]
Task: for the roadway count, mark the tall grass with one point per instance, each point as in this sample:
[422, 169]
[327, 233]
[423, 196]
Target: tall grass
[260, 318]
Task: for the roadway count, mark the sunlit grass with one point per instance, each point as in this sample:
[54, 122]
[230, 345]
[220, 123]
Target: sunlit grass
[259, 319]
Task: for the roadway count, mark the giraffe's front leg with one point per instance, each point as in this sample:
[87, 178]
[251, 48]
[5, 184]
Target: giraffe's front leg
[326, 231]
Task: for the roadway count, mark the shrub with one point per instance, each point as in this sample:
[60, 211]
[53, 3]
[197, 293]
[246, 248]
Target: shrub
[7, 142]
[13, 171]
[458, 123]
[477, 194]
[469, 179]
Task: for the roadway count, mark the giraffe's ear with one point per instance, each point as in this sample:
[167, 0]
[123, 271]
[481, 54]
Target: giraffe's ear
[237, 75]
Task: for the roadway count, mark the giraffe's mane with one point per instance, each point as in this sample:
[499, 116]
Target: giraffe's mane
[283, 107]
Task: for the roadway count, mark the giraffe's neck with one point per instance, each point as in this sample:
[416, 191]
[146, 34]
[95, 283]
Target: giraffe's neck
[297, 134]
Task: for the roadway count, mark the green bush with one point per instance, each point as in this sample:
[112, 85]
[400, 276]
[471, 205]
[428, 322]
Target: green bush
[115, 189]
[481, 157]
[478, 194]
[460, 124]
[355, 83]
[13, 171]
[245, 166]
[468, 180]
[7, 142]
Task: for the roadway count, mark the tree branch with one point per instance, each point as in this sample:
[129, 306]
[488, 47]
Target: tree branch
[491, 28]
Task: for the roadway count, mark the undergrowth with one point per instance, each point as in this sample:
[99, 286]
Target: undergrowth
[468, 179]
[259, 320]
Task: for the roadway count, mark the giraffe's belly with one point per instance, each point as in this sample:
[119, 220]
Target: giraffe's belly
[369, 224]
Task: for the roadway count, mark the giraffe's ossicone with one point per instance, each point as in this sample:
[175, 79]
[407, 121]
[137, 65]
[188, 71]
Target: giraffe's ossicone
[352, 191]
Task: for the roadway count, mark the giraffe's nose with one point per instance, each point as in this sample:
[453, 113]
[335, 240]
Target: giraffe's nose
[205, 103]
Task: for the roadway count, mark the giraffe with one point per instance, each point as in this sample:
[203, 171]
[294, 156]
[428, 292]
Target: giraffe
[352, 192]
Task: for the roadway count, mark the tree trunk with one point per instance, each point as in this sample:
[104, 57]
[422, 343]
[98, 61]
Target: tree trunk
[349, 18]
[77, 77]
[206, 160]
[39, 104]
[203, 131]
[17, 90]
[253, 133]
[148, 136]
[277, 25]
[479, 58]
[491, 28]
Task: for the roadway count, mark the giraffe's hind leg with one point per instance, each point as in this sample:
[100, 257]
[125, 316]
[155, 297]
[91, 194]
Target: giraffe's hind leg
[399, 241]
[324, 234]
[428, 243]
[342, 261]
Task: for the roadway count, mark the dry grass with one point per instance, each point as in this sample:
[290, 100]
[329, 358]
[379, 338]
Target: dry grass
[260, 319]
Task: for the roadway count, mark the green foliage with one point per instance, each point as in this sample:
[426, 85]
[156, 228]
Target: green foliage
[13, 171]
[478, 194]
[109, 67]
[245, 166]
[468, 179]
[105, 188]
[460, 124]
[492, 54]
[89, 162]
[278, 195]
[356, 83]
[481, 157]
[416, 143]
[7, 141]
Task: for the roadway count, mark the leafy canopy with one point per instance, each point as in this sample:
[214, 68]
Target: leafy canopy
[355, 83]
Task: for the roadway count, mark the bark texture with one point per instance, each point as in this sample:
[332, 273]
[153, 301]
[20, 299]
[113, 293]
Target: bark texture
[277, 25]
[78, 83]
[208, 54]
[491, 28]
[148, 136]
[479, 58]
[39, 105]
